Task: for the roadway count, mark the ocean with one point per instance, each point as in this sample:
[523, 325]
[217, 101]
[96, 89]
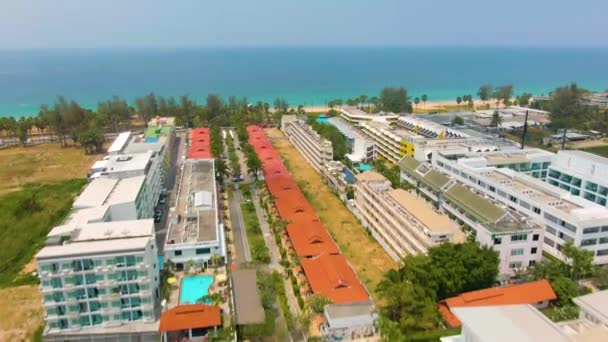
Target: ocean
[307, 76]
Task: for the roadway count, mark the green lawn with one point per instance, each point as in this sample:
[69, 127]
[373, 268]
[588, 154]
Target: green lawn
[26, 216]
[257, 245]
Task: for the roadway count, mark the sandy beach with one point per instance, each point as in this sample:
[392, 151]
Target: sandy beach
[429, 105]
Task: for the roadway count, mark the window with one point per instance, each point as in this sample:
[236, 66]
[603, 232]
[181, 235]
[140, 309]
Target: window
[513, 198]
[536, 210]
[491, 188]
[533, 250]
[603, 240]
[517, 252]
[203, 250]
[550, 230]
[178, 253]
[535, 237]
[589, 242]
[497, 241]
[602, 252]
[549, 242]
[519, 237]
[515, 265]
[531, 263]
[591, 230]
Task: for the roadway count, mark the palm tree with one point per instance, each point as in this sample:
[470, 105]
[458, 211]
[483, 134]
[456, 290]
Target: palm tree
[416, 101]
[374, 101]
[253, 164]
[458, 101]
[424, 98]
[496, 119]
[221, 170]
[363, 99]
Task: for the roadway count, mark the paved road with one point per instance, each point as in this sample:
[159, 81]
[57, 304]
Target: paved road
[243, 254]
[171, 185]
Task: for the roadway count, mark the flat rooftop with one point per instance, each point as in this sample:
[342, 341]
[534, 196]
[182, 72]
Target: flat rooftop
[196, 209]
[429, 128]
[360, 114]
[119, 142]
[422, 211]
[522, 323]
[101, 238]
[597, 302]
[95, 193]
[126, 190]
[395, 133]
[132, 162]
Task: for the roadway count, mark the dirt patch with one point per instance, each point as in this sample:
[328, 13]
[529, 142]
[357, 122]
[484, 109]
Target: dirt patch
[42, 163]
[366, 256]
[21, 312]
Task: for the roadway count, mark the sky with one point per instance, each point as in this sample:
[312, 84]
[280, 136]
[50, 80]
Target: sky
[28, 24]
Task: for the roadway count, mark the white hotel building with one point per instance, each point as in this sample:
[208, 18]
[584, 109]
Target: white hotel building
[99, 278]
[565, 217]
[315, 149]
[517, 239]
[194, 232]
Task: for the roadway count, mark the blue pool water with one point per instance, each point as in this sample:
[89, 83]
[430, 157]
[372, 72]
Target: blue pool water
[322, 119]
[365, 167]
[193, 288]
[151, 140]
[350, 178]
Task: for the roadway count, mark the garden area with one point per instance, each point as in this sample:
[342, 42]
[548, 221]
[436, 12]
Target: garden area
[257, 245]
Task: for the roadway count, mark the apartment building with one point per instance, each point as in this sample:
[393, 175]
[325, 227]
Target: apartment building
[401, 222]
[195, 233]
[315, 149]
[565, 217]
[517, 239]
[390, 142]
[582, 174]
[99, 278]
[360, 148]
[533, 162]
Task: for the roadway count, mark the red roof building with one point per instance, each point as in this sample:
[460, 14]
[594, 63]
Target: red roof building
[200, 144]
[331, 276]
[191, 321]
[326, 270]
[538, 293]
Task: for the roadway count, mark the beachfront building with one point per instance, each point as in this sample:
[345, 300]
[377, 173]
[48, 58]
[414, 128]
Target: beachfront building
[159, 140]
[315, 149]
[594, 307]
[401, 222]
[354, 116]
[360, 148]
[565, 217]
[533, 162]
[582, 174]
[517, 239]
[194, 232]
[390, 142]
[99, 280]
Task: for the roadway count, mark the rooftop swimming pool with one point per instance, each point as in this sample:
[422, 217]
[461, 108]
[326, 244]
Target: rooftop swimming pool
[152, 140]
[193, 288]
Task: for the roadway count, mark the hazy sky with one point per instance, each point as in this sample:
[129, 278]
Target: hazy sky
[151, 23]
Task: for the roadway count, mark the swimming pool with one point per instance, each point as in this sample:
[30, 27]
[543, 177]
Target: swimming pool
[193, 288]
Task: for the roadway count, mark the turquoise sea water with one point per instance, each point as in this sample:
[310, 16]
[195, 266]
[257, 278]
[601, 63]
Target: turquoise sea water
[193, 288]
[308, 76]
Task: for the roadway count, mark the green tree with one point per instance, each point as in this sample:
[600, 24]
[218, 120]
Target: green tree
[485, 92]
[566, 108]
[215, 105]
[579, 261]
[317, 303]
[147, 106]
[496, 119]
[524, 99]
[504, 93]
[424, 98]
[458, 121]
[92, 140]
[281, 105]
[253, 164]
[458, 101]
[416, 102]
[363, 99]
[395, 100]
[221, 170]
[565, 289]
[601, 278]
[115, 113]
[23, 129]
[375, 101]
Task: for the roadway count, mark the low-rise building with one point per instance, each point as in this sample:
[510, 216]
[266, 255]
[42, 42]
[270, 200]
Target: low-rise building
[315, 149]
[517, 239]
[582, 174]
[402, 223]
[99, 275]
[537, 293]
[594, 307]
[354, 115]
[565, 217]
[350, 321]
[360, 148]
[194, 232]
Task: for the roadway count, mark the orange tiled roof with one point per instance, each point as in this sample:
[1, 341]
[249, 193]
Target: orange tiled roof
[190, 316]
[527, 293]
[331, 276]
[311, 239]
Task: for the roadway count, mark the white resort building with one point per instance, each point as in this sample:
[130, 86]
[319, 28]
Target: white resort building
[402, 223]
[315, 149]
[194, 232]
